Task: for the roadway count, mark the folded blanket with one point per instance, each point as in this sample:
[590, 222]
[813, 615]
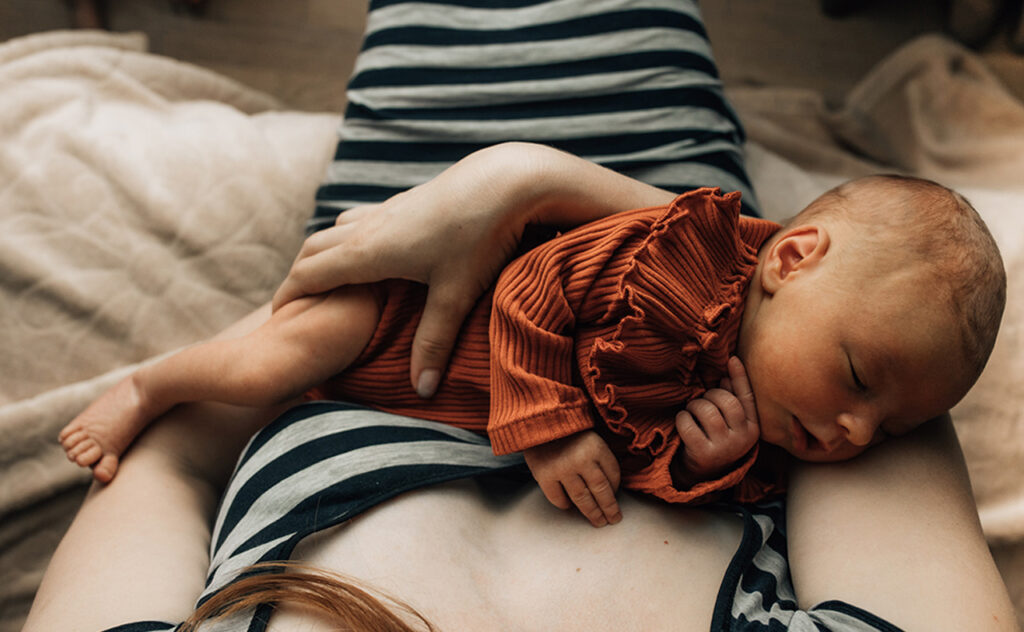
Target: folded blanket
[932, 109]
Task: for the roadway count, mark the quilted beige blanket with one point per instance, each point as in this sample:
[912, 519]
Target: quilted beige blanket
[146, 204]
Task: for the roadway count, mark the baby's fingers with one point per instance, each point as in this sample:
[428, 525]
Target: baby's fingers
[555, 494]
[580, 494]
[718, 412]
[739, 384]
[602, 488]
[690, 431]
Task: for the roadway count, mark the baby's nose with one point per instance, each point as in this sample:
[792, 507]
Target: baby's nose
[859, 429]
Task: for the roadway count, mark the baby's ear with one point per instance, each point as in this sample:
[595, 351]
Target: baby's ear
[796, 250]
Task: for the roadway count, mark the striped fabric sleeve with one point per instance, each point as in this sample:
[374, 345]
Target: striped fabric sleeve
[144, 626]
[757, 592]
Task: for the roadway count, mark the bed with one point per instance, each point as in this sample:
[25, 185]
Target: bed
[146, 204]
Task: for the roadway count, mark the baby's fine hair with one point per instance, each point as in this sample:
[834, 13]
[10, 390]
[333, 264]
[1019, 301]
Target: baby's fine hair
[936, 226]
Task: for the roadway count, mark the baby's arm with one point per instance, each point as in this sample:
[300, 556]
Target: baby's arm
[717, 429]
[537, 403]
[301, 345]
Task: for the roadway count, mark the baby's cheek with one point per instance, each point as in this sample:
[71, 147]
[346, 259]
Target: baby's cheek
[770, 431]
[880, 437]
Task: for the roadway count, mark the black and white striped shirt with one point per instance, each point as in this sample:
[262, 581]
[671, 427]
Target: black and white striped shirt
[630, 85]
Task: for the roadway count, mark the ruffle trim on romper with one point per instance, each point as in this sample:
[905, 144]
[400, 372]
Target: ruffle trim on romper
[673, 343]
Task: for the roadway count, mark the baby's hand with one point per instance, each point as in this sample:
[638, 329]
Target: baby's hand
[579, 468]
[721, 427]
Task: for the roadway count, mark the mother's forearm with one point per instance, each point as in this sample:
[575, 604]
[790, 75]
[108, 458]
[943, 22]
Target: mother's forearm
[896, 532]
[564, 190]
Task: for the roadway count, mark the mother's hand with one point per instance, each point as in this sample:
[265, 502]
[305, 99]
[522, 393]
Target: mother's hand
[456, 232]
[453, 233]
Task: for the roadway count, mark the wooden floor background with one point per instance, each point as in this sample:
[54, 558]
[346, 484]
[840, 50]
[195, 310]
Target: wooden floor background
[302, 50]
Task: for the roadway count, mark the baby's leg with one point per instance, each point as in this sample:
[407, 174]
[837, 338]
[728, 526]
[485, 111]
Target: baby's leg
[301, 345]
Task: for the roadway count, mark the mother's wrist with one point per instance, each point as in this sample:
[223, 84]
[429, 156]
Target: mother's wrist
[532, 175]
[556, 188]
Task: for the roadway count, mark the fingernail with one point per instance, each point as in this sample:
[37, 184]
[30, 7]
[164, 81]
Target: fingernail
[427, 384]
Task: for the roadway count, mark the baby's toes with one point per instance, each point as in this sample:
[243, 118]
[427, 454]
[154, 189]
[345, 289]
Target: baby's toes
[75, 443]
[104, 470]
[71, 435]
[86, 453]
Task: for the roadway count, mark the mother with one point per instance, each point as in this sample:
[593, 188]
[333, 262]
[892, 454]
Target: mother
[894, 533]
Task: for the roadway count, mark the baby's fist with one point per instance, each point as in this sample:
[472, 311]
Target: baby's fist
[721, 427]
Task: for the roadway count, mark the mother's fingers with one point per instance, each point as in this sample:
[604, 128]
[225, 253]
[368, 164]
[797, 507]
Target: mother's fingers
[356, 213]
[446, 307]
[325, 269]
[345, 253]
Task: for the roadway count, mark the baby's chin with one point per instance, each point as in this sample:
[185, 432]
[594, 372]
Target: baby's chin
[773, 432]
[818, 454]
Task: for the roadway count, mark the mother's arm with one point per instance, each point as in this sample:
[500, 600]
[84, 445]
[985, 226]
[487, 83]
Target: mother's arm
[896, 532]
[457, 231]
[138, 549]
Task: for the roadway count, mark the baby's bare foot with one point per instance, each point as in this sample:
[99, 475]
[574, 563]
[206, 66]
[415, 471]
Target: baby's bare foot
[102, 432]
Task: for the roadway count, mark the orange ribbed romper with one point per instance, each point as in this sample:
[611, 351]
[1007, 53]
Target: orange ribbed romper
[614, 326]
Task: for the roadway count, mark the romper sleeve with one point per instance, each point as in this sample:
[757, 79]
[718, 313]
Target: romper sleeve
[536, 391]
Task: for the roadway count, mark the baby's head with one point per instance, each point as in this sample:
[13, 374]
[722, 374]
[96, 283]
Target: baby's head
[872, 311]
